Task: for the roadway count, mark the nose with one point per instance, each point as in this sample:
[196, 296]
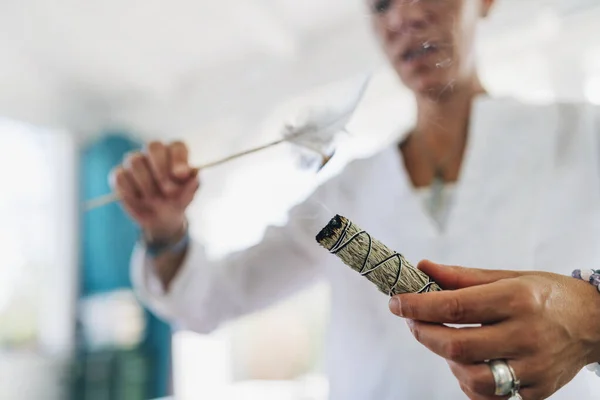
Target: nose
[407, 17]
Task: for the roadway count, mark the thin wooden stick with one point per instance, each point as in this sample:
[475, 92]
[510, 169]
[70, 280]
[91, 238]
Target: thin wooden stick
[387, 269]
[101, 201]
[113, 197]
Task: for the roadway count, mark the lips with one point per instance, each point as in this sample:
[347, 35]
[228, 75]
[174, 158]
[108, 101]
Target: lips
[419, 51]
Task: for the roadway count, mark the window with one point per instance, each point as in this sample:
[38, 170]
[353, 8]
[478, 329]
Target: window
[37, 238]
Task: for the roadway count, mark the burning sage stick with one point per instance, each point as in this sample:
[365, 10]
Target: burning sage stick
[387, 269]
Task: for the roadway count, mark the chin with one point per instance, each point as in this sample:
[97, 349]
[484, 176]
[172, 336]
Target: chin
[433, 86]
[428, 81]
[439, 90]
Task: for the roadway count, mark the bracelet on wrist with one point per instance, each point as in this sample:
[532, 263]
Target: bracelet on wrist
[593, 277]
[174, 246]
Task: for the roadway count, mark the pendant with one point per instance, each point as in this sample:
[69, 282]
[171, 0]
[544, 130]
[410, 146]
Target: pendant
[437, 190]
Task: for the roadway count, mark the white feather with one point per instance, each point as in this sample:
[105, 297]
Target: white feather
[316, 135]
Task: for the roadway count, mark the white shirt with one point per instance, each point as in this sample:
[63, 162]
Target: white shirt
[528, 198]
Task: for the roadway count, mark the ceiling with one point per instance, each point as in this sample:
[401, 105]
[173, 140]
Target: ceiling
[214, 70]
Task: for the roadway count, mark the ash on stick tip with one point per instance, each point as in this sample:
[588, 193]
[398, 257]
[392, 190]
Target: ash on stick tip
[330, 228]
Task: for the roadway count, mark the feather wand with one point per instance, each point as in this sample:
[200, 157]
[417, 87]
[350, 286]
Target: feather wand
[317, 135]
[113, 197]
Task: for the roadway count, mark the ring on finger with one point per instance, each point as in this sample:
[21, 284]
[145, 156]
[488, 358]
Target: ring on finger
[504, 378]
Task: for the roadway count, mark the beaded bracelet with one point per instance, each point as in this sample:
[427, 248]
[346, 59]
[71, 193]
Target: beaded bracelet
[155, 249]
[593, 277]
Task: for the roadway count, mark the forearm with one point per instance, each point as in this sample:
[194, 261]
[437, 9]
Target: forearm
[168, 250]
[167, 266]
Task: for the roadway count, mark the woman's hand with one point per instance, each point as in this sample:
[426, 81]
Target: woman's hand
[546, 326]
[156, 186]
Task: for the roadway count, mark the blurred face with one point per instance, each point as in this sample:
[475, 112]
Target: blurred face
[430, 43]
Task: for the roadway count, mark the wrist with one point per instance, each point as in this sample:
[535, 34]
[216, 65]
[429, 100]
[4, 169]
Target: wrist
[169, 254]
[159, 243]
[593, 342]
[165, 233]
[591, 328]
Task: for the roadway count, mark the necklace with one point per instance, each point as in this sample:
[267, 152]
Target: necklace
[437, 194]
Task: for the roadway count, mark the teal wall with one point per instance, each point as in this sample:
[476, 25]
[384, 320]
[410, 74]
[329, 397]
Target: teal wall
[108, 237]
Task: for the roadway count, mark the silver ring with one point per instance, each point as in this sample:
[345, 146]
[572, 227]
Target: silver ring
[504, 378]
[516, 386]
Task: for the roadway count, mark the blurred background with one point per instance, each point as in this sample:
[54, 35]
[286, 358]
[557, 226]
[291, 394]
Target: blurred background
[83, 83]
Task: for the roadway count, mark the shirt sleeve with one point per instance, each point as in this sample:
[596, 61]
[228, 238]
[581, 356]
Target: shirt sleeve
[205, 294]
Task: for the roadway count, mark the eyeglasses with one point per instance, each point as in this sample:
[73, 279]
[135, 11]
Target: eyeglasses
[381, 7]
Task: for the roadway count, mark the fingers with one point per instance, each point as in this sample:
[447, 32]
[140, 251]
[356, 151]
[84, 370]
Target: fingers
[477, 381]
[475, 378]
[161, 170]
[179, 167]
[189, 190]
[471, 344]
[158, 158]
[124, 185]
[141, 174]
[453, 277]
[471, 395]
[169, 165]
[127, 190]
[474, 305]
[148, 189]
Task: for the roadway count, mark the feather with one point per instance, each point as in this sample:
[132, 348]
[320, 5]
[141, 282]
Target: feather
[316, 135]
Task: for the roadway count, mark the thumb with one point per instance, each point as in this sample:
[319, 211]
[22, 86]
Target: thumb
[454, 277]
[189, 189]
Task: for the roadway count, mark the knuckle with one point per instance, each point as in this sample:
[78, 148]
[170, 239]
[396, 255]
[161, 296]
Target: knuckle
[156, 147]
[120, 178]
[136, 160]
[178, 146]
[455, 350]
[455, 311]
[526, 302]
[409, 309]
